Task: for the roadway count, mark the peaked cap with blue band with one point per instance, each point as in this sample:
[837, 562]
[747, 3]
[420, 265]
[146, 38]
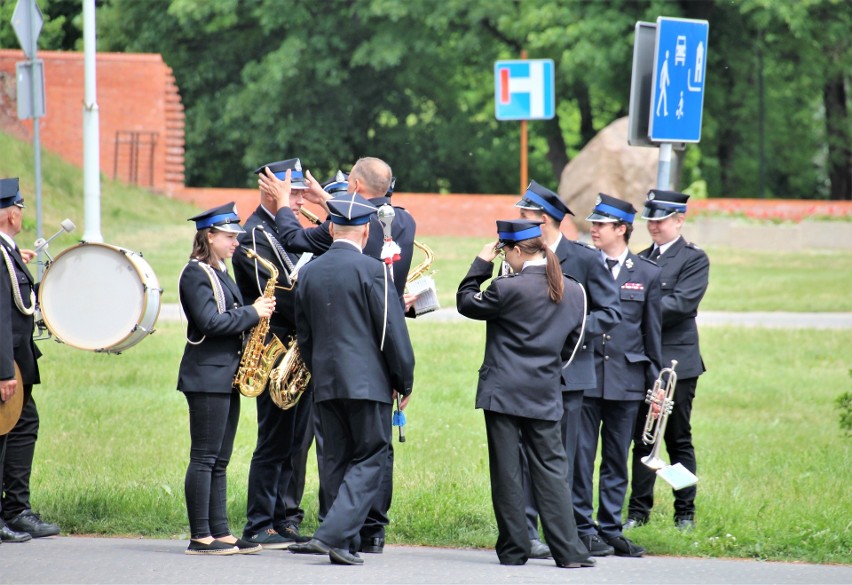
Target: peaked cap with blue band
[543, 199]
[337, 184]
[662, 204]
[512, 231]
[391, 187]
[223, 218]
[350, 209]
[280, 168]
[610, 209]
[10, 193]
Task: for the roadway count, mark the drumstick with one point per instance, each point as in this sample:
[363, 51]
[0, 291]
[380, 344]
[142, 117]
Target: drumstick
[67, 226]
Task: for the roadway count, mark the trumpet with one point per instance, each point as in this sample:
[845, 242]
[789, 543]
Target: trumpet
[660, 399]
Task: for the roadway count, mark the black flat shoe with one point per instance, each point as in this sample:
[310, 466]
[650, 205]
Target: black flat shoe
[312, 547]
[215, 548]
[30, 522]
[597, 547]
[539, 550]
[624, 547]
[244, 547]
[9, 535]
[373, 545]
[340, 556]
[589, 562]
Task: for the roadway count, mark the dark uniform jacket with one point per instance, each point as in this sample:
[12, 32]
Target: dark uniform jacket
[685, 273]
[344, 301]
[16, 329]
[583, 264]
[528, 338]
[253, 282]
[210, 366]
[627, 358]
[402, 232]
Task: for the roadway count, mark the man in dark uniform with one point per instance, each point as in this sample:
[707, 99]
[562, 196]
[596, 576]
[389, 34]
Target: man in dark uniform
[627, 361]
[353, 390]
[271, 472]
[684, 278]
[582, 263]
[16, 331]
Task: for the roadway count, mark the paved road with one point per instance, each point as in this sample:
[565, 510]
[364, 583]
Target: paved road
[121, 560]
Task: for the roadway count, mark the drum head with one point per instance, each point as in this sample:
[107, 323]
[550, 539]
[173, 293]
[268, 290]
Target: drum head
[92, 296]
[10, 411]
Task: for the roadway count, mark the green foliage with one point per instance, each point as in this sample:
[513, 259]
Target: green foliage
[844, 405]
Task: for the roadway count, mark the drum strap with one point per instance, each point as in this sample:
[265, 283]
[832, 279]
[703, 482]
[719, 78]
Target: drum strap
[16, 287]
[218, 294]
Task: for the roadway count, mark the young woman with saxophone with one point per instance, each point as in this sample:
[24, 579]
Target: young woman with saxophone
[535, 319]
[216, 323]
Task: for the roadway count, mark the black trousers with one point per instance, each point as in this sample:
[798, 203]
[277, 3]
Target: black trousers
[613, 421]
[678, 438]
[18, 462]
[548, 466]
[271, 469]
[356, 435]
[377, 518]
[213, 422]
[303, 436]
[572, 404]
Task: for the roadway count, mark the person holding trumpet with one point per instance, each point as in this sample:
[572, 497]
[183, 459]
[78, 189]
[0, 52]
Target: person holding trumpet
[216, 323]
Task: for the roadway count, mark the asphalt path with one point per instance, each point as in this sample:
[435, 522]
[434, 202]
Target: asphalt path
[74, 559]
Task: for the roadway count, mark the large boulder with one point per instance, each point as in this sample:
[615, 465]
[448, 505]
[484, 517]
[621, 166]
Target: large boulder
[608, 165]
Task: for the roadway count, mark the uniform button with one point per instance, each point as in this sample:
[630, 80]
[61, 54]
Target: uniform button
[606, 358]
[609, 336]
[584, 347]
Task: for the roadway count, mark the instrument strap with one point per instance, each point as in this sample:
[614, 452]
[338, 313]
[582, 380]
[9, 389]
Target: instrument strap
[218, 293]
[280, 253]
[16, 287]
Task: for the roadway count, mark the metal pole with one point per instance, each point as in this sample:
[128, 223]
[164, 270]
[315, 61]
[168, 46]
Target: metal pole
[36, 132]
[91, 131]
[524, 147]
[664, 166]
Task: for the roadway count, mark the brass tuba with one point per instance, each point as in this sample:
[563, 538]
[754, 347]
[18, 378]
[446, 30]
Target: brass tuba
[661, 398]
[259, 357]
[290, 379]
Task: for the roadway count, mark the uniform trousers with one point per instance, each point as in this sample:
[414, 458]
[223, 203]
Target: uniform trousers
[678, 438]
[18, 461]
[548, 467]
[613, 421]
[213, 419]
[303, 436]
[271, 469]
[356, 436]
[572, 405]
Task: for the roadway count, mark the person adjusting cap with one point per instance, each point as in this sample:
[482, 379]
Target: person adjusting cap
[223, 218]
[339, 183]
[350, 209]
[539, 198]
[609, 209]
[511, 231]
[10, 193]
[280, 168]
[661, 204]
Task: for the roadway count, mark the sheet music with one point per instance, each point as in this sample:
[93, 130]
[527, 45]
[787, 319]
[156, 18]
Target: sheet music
[427, 295]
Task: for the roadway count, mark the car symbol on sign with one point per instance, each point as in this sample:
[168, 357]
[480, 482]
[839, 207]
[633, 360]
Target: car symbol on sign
[680, 50]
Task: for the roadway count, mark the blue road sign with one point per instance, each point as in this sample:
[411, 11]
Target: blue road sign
[524, 90]
[680, 62]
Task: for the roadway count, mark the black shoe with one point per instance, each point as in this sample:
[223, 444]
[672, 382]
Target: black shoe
[244, 547]
[633, 522]
[624, 547]
[217, 547]
[9, 535]
[685, 523]
[373, 545]
[269, 539]
[538, 550]
[312, 547]
[596, 546]
[589, 562]
[341, 556]
[29, 522]
[291, 532]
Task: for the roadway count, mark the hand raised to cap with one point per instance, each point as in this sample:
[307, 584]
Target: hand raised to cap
[489, 252]
[315, 193]
[276, 193]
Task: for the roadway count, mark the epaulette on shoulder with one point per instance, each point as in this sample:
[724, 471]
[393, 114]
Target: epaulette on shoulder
[648, 260]
[510, 275]
[692, 245]
[583, 244]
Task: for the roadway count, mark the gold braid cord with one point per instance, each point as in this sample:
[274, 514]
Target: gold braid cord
[16, 288]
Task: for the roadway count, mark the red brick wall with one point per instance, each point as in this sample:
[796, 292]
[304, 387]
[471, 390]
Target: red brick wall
[136, 93]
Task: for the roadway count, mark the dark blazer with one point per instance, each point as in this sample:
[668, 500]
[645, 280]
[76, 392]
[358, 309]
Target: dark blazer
[685, 274]
[402, 232]
[252, 282]
[210, 366]
[16, 329]
[528, 338]
[296, 238]
[583, 263]
[627, 358]
[344, 301]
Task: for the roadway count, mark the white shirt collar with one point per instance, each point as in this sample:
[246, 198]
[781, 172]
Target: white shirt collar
[555, 244]
[665, 247]
[269, 213]
[351, 243]
[539, 262]
[8, 239]
[621, 257]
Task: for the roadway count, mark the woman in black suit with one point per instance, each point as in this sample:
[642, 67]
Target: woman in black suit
[216, 323]
[535, 322]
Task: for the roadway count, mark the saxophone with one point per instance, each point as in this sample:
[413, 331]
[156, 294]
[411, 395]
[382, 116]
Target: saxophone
[259, 357]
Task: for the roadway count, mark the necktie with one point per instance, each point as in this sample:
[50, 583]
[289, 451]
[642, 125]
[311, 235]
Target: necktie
[611, 263]
[655, 254]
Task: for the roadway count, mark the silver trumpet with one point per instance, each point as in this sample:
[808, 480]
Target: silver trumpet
[660, 399]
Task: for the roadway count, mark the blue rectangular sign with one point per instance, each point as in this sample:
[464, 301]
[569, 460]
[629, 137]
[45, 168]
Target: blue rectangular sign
[524, 90]
[680, 64]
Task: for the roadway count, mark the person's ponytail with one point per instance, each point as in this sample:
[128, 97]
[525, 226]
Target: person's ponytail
[555, 284]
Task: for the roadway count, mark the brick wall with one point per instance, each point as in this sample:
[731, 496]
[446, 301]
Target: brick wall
[140, 113]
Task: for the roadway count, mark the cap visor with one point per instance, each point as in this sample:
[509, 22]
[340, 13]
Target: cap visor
[233, 228]
[594, 216]
[657, 213]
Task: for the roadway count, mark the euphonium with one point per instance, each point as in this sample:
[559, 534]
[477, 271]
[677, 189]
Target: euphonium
[290, 379]
[259, 357]
[662, 397]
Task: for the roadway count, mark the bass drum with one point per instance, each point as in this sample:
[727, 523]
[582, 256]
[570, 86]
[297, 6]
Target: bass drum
[99, 297]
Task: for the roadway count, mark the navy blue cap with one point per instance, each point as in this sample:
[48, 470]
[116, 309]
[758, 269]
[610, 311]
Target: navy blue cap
[350, 209]
[280, 168]
[610, 209]
[223, 218]
[511, 231]
[339, 183]
[662, 204]
[10, 193]
[540, 198]
[391, 187]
